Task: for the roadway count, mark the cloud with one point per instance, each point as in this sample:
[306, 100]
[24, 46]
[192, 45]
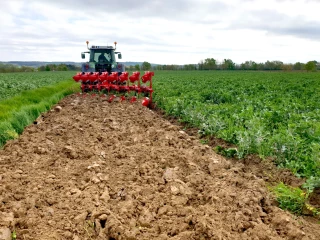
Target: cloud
[131, 9]
[172, 32]
[274, 22]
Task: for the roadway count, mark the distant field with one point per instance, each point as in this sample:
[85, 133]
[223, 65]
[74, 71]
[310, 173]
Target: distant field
[12, 84]
[268, 113]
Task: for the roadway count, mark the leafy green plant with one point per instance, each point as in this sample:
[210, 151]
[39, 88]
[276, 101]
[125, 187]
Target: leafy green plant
[290, 198]
[204, 141]
[315, 211]
[14, 235]
[89, 228]
[227, 152]
[311, 184]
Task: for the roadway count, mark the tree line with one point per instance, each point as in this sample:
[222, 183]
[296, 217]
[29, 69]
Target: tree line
[7, 68]
[58, 67]
[206, 64]
[228, 64]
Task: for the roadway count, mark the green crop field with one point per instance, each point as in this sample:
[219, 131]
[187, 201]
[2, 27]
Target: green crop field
[24, 96]
[267, 113]
[12, 84]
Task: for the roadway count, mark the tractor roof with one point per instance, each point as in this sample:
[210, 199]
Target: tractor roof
[101, 47]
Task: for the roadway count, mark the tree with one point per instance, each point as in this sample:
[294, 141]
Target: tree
[298, 66]
[61, 67]
[26, 69]
[260, 66]
[228, 64]
[41, 68]
[137, 67]
[130, 68]
[73, 67]
[277, 65]
[243, 66]
[9, 68]
[249, 65]
[287, 67]
[189, 67]
[311, 66]
[254, 66]
[200, 65]
[146, 66]
[209, 64]
[273, 65]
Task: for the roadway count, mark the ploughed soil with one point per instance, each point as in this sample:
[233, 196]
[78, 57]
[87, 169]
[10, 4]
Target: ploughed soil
[98, 170]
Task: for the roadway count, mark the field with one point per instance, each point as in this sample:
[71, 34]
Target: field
[24, 96]
[12, 84]
[90, 169]
[267, 113]
[99, 170]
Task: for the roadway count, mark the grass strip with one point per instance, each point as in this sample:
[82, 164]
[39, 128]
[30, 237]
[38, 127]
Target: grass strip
[18, 112]
[294, 199]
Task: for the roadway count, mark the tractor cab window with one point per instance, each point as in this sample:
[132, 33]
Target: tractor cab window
[101, 56]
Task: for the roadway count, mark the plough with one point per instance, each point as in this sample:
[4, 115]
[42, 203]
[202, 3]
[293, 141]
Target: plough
[118, 83]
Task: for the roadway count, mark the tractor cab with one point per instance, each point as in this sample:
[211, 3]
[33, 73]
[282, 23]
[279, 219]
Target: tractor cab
[102, 59]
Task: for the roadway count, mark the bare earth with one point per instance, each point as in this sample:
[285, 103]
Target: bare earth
[99, 170]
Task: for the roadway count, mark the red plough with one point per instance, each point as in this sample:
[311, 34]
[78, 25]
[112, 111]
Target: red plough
[118, 83]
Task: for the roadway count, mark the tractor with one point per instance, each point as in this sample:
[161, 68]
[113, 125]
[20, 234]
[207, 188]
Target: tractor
[102, 59]
[102, 74]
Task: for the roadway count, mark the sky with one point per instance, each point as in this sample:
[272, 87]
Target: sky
[162, 31]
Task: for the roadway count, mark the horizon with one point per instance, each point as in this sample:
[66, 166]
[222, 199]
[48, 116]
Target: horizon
[217, 62]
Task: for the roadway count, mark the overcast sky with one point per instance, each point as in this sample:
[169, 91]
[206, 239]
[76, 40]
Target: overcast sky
[161, 31]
